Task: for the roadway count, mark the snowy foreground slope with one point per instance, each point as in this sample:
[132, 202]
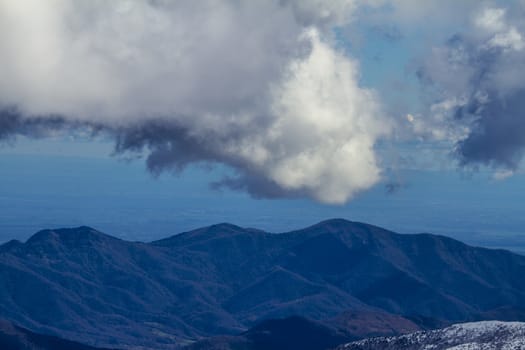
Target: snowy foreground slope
[487, 335]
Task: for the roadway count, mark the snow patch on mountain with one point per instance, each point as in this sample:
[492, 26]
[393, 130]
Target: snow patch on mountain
[486, 335]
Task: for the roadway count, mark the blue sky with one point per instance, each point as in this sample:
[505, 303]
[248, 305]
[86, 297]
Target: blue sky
[299, 111]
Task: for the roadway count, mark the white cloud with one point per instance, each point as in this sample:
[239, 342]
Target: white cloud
[331, 125]
[233, 82]
[511, 40]
[501, 175]
[503, 35]
[491, 19]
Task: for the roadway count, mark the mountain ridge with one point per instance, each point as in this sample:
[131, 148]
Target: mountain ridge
[224, 279]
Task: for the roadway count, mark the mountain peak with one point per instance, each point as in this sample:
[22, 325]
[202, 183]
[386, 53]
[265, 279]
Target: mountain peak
[204, 233]
[225, 226]
[340, 223]
[346, 230]
[10, 245]
[335, 223]
[66, 235]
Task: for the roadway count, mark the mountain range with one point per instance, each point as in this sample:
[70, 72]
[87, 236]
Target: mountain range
[355, 280]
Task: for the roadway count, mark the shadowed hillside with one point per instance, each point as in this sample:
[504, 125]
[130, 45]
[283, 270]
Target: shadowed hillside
[17, 338]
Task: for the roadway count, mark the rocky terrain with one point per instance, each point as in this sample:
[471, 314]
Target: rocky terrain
[487, 335]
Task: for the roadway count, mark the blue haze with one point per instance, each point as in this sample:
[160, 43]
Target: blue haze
[121, 198]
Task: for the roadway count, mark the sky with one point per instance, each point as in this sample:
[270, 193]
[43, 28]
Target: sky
[148, 118]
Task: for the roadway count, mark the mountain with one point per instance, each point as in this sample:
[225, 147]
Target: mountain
[13, 337]
[487, 335]
[87, 286]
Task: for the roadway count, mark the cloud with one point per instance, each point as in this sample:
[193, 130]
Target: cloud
[501, 175]
[476, 79]
[12, 123]
[258, 86]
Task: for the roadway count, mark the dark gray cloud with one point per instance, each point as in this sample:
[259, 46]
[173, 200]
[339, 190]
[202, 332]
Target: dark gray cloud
[12, 124]
[257, 186]
[168, 145]
[497, 136]
[477, 80]
[393, 187]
